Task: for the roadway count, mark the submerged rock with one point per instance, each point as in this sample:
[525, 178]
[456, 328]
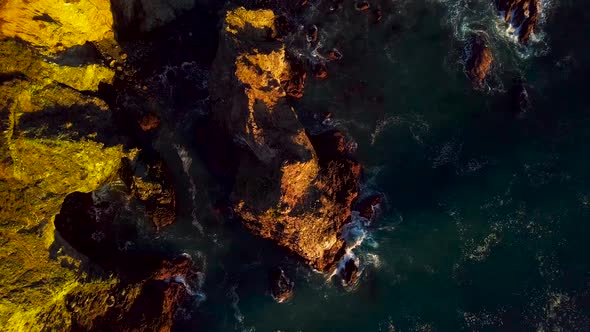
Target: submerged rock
[479, 60]
[334, 54]
[320, 71]
[522, 15]
[281, 287]
[520, 99]
[285, 188]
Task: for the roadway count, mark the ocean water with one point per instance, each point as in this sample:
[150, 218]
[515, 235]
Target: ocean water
[485, 224]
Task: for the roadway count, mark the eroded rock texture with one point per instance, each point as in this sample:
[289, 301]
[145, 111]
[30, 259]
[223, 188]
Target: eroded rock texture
[479, 60]
[523, 15]
[288, 188]
[59, 142]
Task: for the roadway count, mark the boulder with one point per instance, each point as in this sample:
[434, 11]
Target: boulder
[362, 5]
[523, 15]
[479, 60]
[334, 54]
[366, 206]
[281, 287]
[350, 272]
[320, 71]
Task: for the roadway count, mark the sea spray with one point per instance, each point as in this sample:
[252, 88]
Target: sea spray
[187, 161]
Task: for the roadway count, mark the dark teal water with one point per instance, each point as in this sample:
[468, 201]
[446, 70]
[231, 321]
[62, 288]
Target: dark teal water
[485, 227]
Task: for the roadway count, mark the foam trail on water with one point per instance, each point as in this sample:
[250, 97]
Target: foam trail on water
[353, 234]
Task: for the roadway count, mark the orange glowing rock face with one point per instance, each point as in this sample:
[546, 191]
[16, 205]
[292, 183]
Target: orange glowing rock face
[241, 18]
[56, 24]
[282, 193]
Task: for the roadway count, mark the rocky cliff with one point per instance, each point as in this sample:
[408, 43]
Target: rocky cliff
[59, 143]
[291, 188]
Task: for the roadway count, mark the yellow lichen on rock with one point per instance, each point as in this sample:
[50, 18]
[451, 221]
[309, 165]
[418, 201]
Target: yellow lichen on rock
[37, 171]
[85, 78]
[61, 166]
[56, 24]
[261, 73]
[240, 18]
[296, 181]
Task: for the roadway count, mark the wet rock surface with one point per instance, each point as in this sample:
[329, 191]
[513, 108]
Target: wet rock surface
[149, 180]
[281, 287]
[151, 286]
[288, 187]
[522, 15]
[368, 206]
[350, 272]
[479, 60]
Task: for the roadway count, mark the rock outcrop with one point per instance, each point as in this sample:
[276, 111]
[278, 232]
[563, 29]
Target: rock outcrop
[479, 60]
[368, 207]
[149, 181]
[58, 143]
[148, 287]
[281, 287]
[57, 25]
[288, 188]
[522, 15]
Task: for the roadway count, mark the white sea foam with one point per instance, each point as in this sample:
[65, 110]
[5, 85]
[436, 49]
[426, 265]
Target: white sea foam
[187, 162]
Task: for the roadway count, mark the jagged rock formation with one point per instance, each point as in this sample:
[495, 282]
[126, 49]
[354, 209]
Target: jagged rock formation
[479, 60]
[56, 25]
[522, 15]
[58, 137]
[151, 183]
[148, 288]
[281, 287]
[287, 188]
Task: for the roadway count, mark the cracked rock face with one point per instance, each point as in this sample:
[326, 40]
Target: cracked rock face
[523, 15]
[479, 60]
[288, 188]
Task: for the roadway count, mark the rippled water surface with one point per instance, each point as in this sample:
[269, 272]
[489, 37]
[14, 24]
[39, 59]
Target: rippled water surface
[485, 226]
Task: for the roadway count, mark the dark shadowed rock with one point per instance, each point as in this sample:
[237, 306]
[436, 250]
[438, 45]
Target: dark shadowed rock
[312, 35]
[149, 122]
[320, 71]
[362, 5]
[283, 188]
[366, 206]
[294, 82]
[153, 308]
[149, 180]
[523, 15]
[334, 54]
[350, 272]
[479, 60]
[281, 287]
[520, 99]
[377, 15]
